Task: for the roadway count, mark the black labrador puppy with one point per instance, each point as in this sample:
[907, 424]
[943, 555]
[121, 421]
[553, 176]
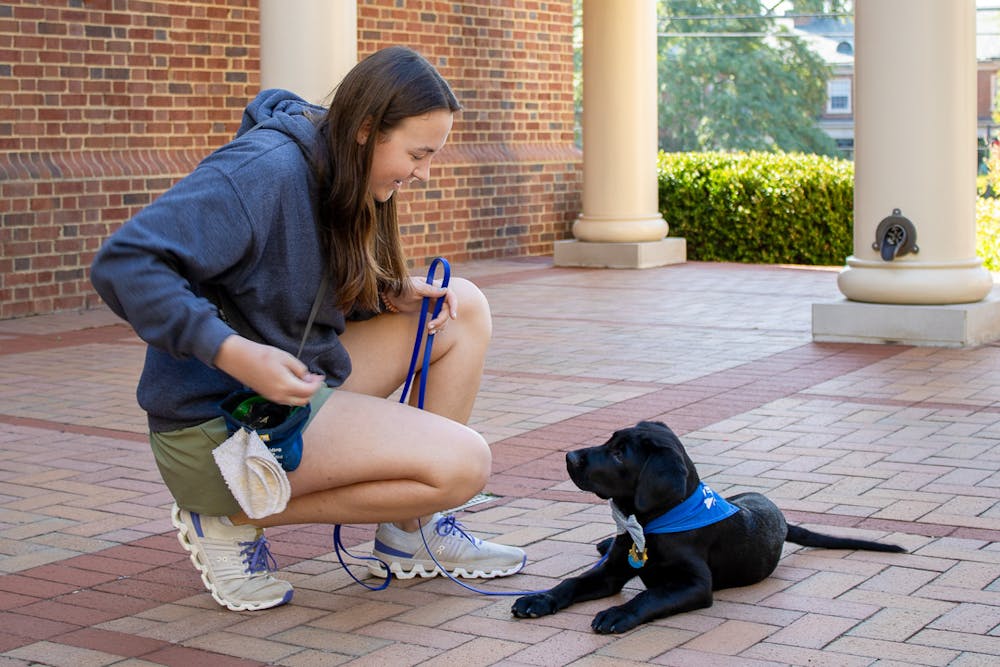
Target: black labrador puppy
[695, 541]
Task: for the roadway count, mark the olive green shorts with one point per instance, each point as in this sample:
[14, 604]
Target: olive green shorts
[188, 468]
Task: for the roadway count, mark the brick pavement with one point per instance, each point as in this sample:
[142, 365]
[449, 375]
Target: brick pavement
[885, 442]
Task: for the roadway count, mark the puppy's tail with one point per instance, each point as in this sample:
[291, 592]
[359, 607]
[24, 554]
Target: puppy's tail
[808, 538]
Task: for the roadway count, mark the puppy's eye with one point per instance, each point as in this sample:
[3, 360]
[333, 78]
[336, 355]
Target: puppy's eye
[617, 455]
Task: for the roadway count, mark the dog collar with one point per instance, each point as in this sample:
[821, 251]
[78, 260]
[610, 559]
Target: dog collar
[702, 508]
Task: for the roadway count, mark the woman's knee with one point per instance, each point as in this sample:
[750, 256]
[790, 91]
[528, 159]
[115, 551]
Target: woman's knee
[468, 468]
[473, 308]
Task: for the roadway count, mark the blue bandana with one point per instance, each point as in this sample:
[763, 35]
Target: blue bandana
[702, 508]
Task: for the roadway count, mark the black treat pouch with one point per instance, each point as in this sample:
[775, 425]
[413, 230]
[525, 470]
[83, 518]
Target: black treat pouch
[278, 426]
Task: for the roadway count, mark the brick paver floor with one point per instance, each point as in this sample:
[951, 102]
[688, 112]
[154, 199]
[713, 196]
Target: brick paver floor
[886, 442]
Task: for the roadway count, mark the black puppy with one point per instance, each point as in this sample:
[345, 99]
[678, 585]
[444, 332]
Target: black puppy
[645, 471]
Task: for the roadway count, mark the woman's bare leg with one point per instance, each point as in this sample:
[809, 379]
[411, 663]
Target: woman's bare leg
[381, 348]
[367, 459]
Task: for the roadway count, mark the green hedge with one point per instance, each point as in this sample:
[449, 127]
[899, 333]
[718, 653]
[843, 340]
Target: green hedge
[776, 208]
[770, 208]
[988, 232]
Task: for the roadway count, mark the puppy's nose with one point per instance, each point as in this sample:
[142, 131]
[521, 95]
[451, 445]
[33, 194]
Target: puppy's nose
[573, 460]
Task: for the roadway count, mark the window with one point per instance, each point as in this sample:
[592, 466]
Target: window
[838, 92]
[846, 148]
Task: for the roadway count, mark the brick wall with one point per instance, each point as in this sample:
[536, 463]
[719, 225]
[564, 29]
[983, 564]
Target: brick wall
[105, 103]
[509, 179]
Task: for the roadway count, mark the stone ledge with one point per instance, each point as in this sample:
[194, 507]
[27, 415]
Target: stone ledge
[953, 325]
[643, 255]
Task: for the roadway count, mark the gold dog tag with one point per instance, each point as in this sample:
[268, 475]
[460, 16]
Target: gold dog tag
[635, 559]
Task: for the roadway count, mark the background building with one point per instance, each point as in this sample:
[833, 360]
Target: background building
[833, 39]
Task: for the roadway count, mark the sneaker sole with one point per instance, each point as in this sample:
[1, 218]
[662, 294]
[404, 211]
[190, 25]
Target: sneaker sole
[417, 569]
[182, 531]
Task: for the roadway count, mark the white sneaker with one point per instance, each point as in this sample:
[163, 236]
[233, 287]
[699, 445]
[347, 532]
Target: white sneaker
[234, 561]
[454, 550]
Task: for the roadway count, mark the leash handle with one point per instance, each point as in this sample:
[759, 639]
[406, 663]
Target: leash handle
[421, 325]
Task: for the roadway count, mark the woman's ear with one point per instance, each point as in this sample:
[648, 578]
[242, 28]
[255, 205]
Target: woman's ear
[364, 131]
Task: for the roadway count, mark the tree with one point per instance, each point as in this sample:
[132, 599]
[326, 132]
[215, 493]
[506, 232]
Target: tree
[732, 79]
[823, 6]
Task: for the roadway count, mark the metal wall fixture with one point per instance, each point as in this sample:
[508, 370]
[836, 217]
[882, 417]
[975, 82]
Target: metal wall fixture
[895, 236]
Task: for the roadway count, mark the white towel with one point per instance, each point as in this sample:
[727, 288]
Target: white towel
[255, 477]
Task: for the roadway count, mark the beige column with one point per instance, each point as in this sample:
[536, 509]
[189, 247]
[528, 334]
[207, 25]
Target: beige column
[307, 46]
[915, 138]
[620, 225]
[915, 174]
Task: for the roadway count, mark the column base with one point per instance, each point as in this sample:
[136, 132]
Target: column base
[909, 282]
[642, 255]
[957, 325]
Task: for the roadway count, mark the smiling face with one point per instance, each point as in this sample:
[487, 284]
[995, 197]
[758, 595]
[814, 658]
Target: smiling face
[404, 153]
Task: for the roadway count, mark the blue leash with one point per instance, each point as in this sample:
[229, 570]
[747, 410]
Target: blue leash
[421, 325]
[424, 310]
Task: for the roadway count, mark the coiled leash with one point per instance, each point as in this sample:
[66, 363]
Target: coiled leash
[424, 311]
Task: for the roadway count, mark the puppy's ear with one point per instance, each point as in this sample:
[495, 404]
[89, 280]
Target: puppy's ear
[663, 480]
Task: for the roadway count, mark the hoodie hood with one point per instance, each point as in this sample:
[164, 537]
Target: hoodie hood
[284, 111]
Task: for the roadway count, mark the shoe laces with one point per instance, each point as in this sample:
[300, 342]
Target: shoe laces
[447, 526]
[257, 556]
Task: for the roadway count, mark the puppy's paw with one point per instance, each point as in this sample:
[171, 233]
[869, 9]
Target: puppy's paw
[613, 621]
[535, 605]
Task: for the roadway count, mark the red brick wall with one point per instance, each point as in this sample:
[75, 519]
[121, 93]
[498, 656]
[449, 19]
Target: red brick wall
[984, 90]
[509, 179]
[105, 103]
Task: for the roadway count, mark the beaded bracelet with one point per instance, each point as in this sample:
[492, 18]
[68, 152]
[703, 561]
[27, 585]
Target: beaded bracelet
[388, 304]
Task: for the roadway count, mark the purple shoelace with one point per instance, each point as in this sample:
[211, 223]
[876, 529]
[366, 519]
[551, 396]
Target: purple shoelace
[449, 525]
[257, 556]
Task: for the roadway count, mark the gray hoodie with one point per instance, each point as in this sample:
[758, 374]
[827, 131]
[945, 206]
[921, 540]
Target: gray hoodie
[244, 223]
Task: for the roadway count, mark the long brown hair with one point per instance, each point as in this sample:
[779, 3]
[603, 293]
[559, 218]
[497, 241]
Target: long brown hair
[361, 235]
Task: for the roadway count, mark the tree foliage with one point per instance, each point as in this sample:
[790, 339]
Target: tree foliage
[823, 6]
[725, 91]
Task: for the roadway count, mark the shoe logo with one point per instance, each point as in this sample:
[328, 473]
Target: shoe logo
[440, 550]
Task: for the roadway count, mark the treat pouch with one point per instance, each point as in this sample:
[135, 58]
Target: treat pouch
[278, 426]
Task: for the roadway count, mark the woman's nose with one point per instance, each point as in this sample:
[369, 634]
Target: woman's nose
[422, 172]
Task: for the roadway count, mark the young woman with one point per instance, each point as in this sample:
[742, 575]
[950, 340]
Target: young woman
[302, 191]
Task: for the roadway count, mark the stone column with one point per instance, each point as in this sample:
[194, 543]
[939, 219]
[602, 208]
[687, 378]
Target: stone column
[915, 139]
[915, 135]
[307, 46]
[620, 225]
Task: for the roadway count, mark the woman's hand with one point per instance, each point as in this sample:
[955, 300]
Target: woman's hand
[409, 302]
[274, 374]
